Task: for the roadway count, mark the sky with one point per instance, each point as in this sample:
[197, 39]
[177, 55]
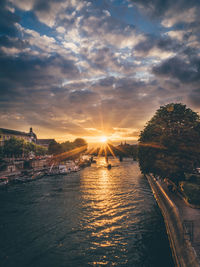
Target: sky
[72, 68]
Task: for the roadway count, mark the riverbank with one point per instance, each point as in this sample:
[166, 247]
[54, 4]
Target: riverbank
[27, 175]
[184, 239]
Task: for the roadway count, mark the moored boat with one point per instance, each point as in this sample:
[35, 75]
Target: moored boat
[3, 180]
[109, 166]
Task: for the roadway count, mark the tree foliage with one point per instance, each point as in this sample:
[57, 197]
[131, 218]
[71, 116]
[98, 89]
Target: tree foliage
[54, 148]
[40, 150]
[78, 142]
[169, 145]
[58, 148]
[15, 147]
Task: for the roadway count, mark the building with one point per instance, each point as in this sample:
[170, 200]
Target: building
[6, 134]
[45, 142]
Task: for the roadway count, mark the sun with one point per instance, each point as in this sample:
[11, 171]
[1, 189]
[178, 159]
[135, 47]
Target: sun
[103, 139]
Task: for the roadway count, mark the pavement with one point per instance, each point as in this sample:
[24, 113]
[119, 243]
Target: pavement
[190, 218]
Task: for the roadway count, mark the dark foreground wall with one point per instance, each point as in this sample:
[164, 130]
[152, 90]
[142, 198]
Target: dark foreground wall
[183, 253]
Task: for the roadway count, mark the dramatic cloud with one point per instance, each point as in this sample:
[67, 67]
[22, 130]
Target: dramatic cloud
[83, 68]
[7, 20]
[180, 69]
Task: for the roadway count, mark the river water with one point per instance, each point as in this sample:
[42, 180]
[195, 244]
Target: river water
[95, 217]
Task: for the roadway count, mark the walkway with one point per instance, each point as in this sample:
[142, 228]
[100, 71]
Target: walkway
[190, 218]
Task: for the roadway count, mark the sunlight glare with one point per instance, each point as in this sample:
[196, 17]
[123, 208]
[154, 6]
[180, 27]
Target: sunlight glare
[103, 139]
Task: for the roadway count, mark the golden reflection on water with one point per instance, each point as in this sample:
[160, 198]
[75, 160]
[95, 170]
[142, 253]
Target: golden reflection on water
[104, 219]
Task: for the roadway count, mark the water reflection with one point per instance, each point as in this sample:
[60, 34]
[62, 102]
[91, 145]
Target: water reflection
[94, 217]
[114, 203]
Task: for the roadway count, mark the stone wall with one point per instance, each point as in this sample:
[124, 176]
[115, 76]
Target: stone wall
[183, 253]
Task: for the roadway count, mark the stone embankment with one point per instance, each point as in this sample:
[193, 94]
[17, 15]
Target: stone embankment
[183, 252]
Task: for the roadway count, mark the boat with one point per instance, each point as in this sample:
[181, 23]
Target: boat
[65, 168]
[109, 166]
[37, 175]
[61, 169]
[92, 160]
[3, 181]
[71, 166]
[28, 178]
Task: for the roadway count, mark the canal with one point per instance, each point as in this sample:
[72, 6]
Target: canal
[95, 217]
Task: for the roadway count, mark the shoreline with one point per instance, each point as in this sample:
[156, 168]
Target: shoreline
[183, 252]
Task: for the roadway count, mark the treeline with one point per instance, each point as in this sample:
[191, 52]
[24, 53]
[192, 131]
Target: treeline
[127, 150]
[15, 147]
[56, 148]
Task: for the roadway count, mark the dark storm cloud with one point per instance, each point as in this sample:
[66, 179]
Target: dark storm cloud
[191, 52]
[7, 20]
[168, 44]
[104, 59]
[147, 44]
[6, 41]
[99, 57]
[83, 97]
[45, 6]
[120, 87]
[108, 81]
[158, 8]
[180, 69]
[163, 43]
[27, 71]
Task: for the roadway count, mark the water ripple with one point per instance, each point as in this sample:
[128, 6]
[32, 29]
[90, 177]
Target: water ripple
[95, 217]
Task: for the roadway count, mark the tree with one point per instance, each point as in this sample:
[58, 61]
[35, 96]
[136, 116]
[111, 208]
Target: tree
[28, 148]
[54, 148]
[40, 150]
[80, 142]
[1, 152]
[169, 144]
[13, 147]
[67, 146]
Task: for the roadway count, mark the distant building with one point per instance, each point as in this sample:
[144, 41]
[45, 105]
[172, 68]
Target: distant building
[6, 134]
[44, 142]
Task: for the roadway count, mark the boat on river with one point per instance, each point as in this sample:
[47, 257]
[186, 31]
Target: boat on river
[109, 166]
[28, 178]
[3, 181]
[63, 169]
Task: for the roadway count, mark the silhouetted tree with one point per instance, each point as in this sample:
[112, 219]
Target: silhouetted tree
[67, 146]
[169, 144]
[79, 142]
[54, 148]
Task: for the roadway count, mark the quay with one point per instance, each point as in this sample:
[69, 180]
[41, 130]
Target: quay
[37, 168]
[182, 224]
